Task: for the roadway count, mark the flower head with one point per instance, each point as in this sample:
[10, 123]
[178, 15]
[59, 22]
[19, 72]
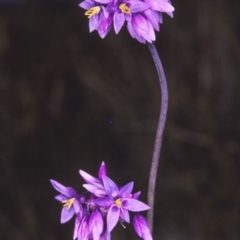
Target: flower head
[142, 16]
[101, 207]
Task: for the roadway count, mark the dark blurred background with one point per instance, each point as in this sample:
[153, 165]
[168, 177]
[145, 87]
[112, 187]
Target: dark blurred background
[70, 100]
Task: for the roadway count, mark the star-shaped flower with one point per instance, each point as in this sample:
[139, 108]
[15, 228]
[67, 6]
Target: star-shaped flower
[69, 198]
[119, 202]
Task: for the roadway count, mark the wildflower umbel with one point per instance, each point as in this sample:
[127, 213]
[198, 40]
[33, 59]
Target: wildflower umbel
[101, 207]
[142, 17]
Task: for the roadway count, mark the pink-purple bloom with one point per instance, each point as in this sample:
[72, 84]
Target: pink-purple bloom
[119, 202]
[141, 227]
[141, 16]
[98, 210]
[99, 18]
[70, 200]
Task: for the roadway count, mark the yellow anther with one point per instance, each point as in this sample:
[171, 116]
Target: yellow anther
[118, 202]
[124, 8]
[68, 203]
[92, 11]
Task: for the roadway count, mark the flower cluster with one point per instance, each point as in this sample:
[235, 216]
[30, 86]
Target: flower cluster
[142, 16]
[101, 207]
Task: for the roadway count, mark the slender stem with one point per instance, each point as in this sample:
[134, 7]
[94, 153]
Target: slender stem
[159, 134]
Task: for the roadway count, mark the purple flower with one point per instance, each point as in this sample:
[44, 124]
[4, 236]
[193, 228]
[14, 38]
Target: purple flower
[99, 18]
[119, 202]
[142, 24]
[141, 28]
[141, 227]
[123, 9]
[69, 199]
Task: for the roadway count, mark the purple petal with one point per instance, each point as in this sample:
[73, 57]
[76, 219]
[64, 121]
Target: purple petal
[87, 177]
[153, 17]
[61, 197]
[141, 227]
[105, 12]
[118, 21]
[72, 192]
[96, 224]
[105, 236]
[99, 192]
[77, 206]
[103, 1]
[136, 195]
[93, 24]
[110, 187]
[85, 5]
[112, 7]
[124, 215]
[143, 27]
[102, 171]
[161, 6]
[138, 6]
[126, 190]
[83, 232]
[133, 32]
[103, 33]
[160, 18]
[105, 25]
[112, 217]
[170, 14]
[69, 192]
[76, 227]
[104, 202]
[66, 214]
[134, 205]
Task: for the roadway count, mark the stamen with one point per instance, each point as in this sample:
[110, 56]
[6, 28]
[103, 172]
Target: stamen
[68, 203]
[118, 202]
[124, 8]
[121, 222]
[92, 11]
